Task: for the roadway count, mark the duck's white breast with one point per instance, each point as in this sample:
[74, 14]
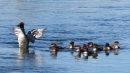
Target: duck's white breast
[22, 41]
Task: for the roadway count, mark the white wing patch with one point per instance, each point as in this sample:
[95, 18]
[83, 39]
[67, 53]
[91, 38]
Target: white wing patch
[35, 33]
[17, 31]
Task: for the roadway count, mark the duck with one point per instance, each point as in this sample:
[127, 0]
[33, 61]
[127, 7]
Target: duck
[78, 48]
[54, 47]
[84, 47]
[24, 39]
[71, 45]
[115, 45]
[90, 44]
[85, 50]
[107, 47]
[98, 48]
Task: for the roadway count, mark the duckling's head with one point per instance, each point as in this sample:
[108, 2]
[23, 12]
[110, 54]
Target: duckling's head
[53, 45]
[107, 45]
[95, 45]
[116, 42]
[85, 48]
[72, 42]
[78, 47]
[90, 44]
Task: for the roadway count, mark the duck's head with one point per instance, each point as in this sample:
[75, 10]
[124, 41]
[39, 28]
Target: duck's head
[115, 45]
[72, 43]
[21, 25]
[85, 48]
[95, 45]
[53, 45]
[90, 44]
[107, 45]
[116, 42]
[78, 47]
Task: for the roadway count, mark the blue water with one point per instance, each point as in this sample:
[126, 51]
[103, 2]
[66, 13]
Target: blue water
[80, 21]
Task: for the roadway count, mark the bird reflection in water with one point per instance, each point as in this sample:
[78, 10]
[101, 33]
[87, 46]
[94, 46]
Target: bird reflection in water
[29, 59]
[54, 54]
[23, 50]
[94, 55]
[106, 53]
[78, 55]
[116, 52]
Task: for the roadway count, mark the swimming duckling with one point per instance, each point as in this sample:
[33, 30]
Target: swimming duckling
[107, 47]
[54, 47]
[90, 44]
[99, 48]
[71, 45]
[84, 47]
[78, 48]
[115, 45]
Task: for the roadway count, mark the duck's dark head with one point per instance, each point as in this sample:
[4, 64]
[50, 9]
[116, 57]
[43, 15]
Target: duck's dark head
[116, 42]
[78, 47]
[53, 45]
[84, 48]
[95, 45]
[21, 25]
[90, 44]
[72, 42]
[107, 45]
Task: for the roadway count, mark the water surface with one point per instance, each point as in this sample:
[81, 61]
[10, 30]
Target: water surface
[81, 21]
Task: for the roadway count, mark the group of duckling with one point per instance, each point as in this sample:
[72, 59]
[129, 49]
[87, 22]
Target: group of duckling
[89, 49]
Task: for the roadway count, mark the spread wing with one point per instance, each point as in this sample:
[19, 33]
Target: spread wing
[35, 33]
[17, 31]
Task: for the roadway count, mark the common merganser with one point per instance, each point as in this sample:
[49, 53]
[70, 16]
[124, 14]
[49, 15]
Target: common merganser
[85, 50]
[90, 44]
[71, 45]
[115, 45]
[78, 48]
[54, 47]
[24, 39]
[84, 47]
[107, 47]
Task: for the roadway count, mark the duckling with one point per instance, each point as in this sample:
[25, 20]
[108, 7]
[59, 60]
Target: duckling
[71, 45]
[115, 45]
[94, 49]
[90, 44]
[54, 47]
[99, 48]
[84, 47]
[107, 47]
[78, 48]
